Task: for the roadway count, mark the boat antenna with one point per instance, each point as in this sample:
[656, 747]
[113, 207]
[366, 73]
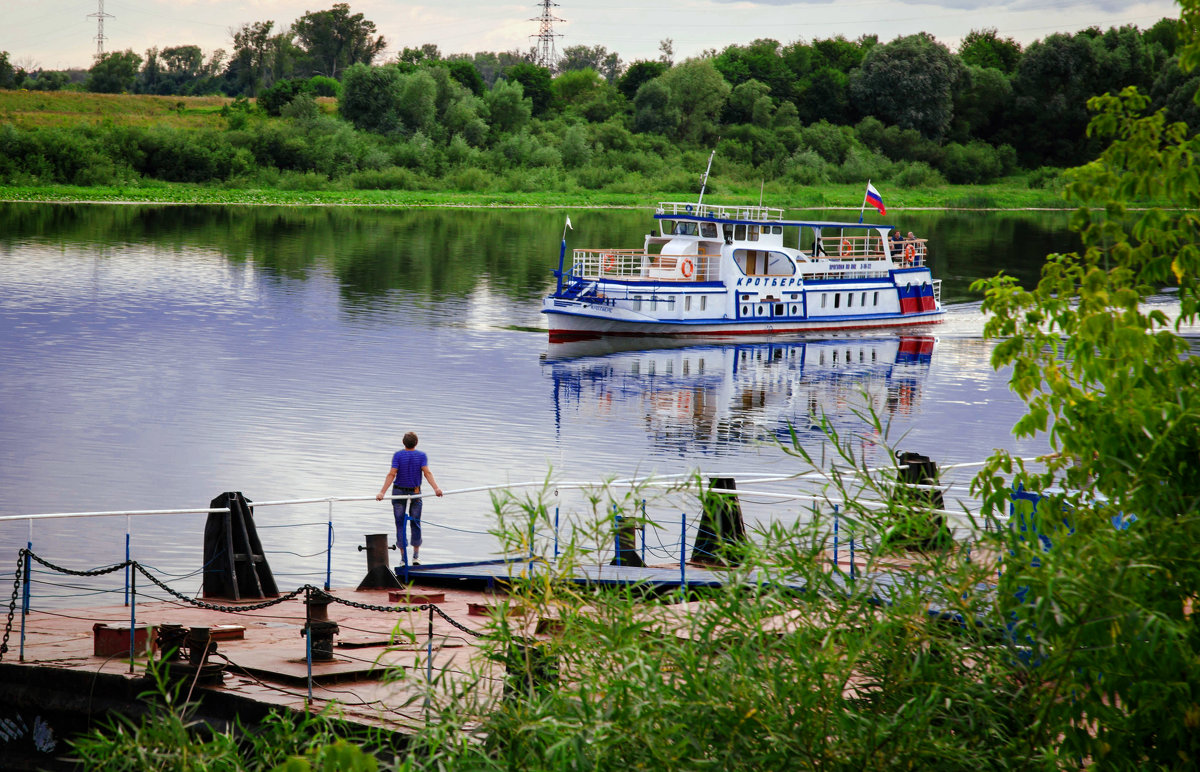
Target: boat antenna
[761, 184]
[704, 179]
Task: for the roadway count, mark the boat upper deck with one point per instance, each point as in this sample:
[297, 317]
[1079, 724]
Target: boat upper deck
[749, 214]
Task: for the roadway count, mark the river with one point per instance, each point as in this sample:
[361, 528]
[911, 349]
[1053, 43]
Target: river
[152, 357]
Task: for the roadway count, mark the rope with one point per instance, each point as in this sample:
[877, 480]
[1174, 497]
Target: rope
[308, 589]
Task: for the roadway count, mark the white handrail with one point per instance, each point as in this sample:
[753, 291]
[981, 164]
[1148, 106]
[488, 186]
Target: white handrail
[680, 479]
[125, 513]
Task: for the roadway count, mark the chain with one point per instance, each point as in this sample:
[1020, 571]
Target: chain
[446, 617]
[93, 572]
[308, 588]
[214, 606]
[12, 604]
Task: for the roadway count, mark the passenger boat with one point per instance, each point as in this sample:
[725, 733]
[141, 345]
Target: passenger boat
[712, 269]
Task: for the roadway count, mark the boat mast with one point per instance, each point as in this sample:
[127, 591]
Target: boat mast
[704, 179]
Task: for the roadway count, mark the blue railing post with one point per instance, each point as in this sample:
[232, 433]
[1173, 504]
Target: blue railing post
[643, 531]
[556, 533]
[128, 528]
[429, 664]
[835, 534]
[682, 554]
[329, 549]
[617, 534]
[25, 591]
[532, 532]
[132, 618]
[308, 636]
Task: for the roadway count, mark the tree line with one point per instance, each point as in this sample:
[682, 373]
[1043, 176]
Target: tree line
[910, 111]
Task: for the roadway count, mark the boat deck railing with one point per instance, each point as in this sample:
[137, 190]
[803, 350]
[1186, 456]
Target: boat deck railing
[637, 265]
[720, 211]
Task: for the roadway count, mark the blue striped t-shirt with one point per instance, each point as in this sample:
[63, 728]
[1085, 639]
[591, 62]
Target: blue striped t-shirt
[407, 464]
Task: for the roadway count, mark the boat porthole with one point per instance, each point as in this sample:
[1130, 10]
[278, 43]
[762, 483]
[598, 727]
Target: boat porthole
[760, 310]
[793, 309]
[745, 310]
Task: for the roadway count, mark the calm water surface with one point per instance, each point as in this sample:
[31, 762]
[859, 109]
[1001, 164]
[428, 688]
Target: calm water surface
[153, 357]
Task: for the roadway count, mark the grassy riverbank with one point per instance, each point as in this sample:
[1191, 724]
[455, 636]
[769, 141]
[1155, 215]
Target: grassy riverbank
[1009, 195]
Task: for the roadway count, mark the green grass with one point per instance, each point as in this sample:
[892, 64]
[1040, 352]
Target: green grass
[1008, 195]
[30, 109]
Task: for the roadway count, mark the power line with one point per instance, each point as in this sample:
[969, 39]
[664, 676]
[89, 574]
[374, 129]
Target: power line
[546, 56]
[100, 16]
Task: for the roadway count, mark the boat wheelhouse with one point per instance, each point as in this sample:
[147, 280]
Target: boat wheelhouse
[710, 269]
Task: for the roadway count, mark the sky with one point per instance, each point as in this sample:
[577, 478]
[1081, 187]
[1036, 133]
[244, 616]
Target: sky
[57, 34]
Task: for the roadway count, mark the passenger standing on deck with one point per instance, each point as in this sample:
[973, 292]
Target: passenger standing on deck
[408, 466]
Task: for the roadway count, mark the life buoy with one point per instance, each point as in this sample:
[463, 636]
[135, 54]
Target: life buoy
[686, 268]
[610, 262]
[847, 247]
[688, 208]
[910, 252]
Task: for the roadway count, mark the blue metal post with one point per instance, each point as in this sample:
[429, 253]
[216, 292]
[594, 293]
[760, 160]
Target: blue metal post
[404, 549]
[25, 591]
[617, 534]
[128, 528]
[682, 552]
[643, 531]
[132, 618]
[329, 549]
[835, 534]
[556, 533]
[308, 652]
[562, 254]
[429, 664]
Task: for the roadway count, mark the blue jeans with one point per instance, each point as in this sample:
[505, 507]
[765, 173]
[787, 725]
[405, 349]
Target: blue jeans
[413, 508]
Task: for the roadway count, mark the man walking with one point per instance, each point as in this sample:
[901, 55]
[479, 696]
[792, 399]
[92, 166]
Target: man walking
[408, 466]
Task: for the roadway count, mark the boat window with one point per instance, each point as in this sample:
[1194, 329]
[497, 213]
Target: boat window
[863, 300]
[759, 262]
[687, 303]
[708, 230]
[668, 227]
[824, 297]
[637, 302]
[703, 302]
[753, 233]
[875, 302]
[837, 299]
[686, 229]
[849, 299]
[739, 232]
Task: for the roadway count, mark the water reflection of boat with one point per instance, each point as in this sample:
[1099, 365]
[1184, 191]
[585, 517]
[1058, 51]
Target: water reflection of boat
[714, 396]
[711, 269]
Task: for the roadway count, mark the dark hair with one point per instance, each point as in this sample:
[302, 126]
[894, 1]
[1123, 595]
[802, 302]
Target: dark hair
[410, 440]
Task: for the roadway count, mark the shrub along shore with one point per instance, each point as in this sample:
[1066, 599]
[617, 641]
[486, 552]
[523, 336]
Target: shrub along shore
[965, 197]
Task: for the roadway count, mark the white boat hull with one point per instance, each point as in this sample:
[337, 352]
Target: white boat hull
[564, 324]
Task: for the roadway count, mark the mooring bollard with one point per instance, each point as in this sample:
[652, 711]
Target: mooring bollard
[380, 575]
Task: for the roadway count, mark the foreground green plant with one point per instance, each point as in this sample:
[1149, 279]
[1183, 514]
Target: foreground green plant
[171, 737]
[1117, 391]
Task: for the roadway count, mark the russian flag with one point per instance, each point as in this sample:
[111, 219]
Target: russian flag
[875, 199]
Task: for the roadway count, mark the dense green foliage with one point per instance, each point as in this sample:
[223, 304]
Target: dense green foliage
[1118, 393]
[909, 111]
